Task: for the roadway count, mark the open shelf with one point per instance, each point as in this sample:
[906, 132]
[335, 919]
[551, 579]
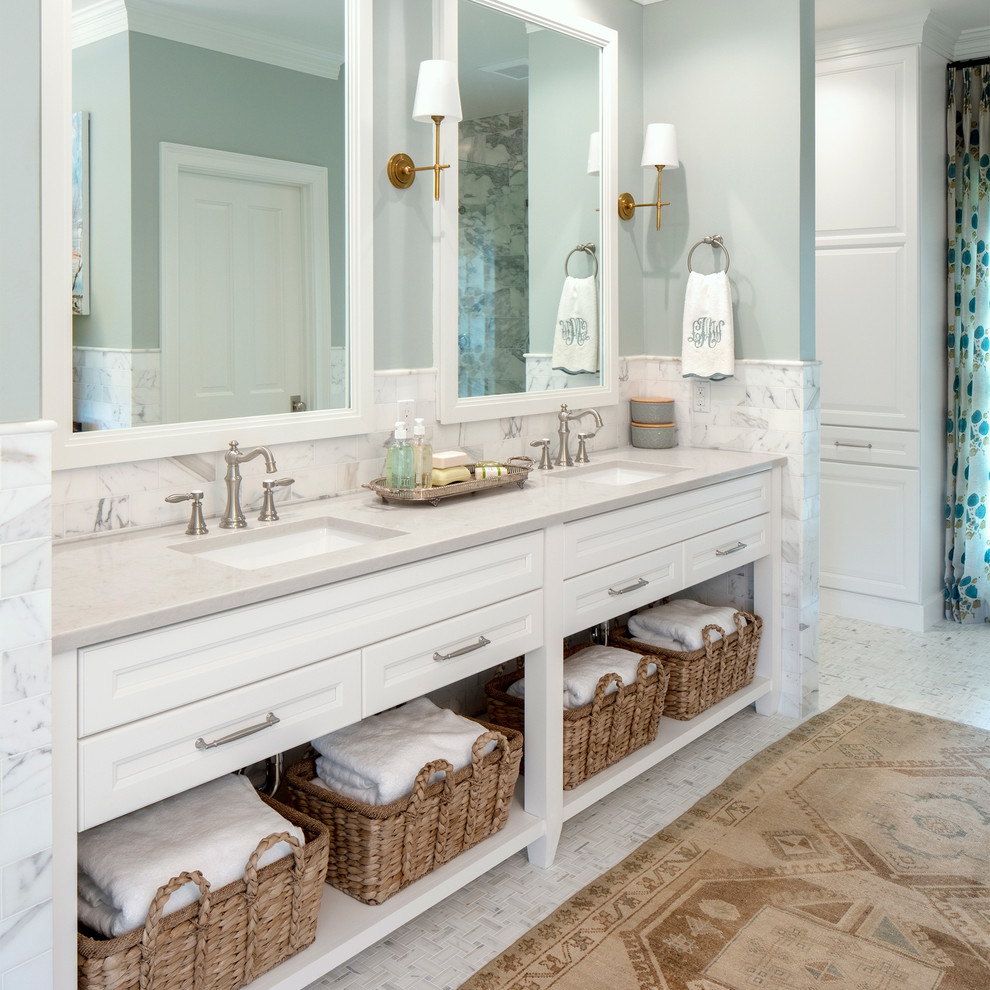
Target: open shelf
[673, 735]
[346, 926]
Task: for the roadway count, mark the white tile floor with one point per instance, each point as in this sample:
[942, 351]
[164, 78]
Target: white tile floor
[943, 672]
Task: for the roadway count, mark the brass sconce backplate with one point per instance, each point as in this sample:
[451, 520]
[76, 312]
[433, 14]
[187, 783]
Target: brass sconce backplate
[401, 171]
[627, 207]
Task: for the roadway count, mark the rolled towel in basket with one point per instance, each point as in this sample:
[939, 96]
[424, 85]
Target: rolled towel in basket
[678, 624]
[376, 760]
[585, 668]
[212, 828]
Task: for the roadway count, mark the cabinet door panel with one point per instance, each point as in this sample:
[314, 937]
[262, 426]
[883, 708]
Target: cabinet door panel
[870, 530]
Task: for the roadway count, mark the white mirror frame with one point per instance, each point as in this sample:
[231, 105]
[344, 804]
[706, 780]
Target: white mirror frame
[112, 446]
[452, 408]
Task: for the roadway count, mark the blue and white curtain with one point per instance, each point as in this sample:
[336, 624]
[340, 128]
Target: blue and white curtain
[967, 550]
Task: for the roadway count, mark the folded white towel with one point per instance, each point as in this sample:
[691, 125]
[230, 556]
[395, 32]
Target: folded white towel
[376, 760]
[212, 828]
[707, 344]
[575, 339]
[681, 621]
[584, 669]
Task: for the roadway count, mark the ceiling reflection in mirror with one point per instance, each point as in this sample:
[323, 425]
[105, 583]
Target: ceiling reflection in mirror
[528, 196]
[216, 221]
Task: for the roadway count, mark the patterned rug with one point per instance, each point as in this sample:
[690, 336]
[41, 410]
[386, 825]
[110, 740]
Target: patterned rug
[853, 854]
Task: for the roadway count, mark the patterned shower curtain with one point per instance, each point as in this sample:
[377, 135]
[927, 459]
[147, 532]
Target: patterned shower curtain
[967, 550]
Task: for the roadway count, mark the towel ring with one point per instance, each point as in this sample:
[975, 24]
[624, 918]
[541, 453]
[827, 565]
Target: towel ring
[716, 241]
[588, 248]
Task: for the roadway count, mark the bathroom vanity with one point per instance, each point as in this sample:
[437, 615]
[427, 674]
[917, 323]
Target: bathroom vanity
[180, 658]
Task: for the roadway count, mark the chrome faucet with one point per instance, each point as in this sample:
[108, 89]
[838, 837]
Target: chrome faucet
[564, 432]
[232, 517]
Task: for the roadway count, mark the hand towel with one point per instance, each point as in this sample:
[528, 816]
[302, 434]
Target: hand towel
[575, 339]
[681, 621]
[376, 760]
[707, 344]
[212, 828]
[584, 669]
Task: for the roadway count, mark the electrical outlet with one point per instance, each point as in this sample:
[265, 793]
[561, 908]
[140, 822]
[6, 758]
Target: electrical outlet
[404, 409]
[701, 397]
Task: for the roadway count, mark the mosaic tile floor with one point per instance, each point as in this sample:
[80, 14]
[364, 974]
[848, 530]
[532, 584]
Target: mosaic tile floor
[942, 672]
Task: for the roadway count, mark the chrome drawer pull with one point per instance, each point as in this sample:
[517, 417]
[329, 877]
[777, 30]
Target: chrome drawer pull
[641, 583]
[270, 719]
[848, 443]
[464, 649]
[735, 549]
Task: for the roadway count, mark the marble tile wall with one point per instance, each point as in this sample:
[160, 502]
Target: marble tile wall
[113, 388]
[25, 707]
[541, 377]
[768, 406]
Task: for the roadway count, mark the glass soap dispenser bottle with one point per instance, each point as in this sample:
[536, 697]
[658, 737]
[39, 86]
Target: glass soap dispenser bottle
[422, 456]
[399, 460]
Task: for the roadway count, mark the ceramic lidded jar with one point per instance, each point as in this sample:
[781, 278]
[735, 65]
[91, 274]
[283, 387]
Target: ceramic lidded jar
[651, 410]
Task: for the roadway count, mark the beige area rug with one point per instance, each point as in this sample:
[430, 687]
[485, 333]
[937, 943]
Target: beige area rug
[853, 854]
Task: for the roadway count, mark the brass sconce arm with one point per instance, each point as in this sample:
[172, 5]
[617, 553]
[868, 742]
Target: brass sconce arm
[402, 172]
[627, 206]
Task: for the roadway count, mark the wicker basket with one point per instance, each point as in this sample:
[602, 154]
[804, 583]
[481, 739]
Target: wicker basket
[600, 734]
[376, 850]
[230, 936]
[701, 678]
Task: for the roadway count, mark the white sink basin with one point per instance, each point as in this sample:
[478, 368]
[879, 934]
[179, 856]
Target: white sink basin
[617, 473]
[281, 543]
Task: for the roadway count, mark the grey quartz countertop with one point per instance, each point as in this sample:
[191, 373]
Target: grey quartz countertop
[110, 586]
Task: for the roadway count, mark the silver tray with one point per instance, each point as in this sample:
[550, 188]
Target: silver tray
[518, 468]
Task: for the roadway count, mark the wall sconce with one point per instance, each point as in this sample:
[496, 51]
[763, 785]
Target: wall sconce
[659, 149]
[437, 96]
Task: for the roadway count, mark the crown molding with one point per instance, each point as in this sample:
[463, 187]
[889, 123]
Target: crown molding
[914, 29]
[109, 17]
[972, 43]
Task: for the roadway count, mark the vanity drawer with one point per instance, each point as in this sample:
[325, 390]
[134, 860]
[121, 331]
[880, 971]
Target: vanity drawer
[609, 591]
[408, 666]
[136, 676]
[614, 536]
[132, 766]
[725, 548]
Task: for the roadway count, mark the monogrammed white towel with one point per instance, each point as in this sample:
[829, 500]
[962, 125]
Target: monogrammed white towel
[575, 339]
[707, 346]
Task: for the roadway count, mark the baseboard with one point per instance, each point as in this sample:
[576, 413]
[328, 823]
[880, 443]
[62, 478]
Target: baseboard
[913, 616]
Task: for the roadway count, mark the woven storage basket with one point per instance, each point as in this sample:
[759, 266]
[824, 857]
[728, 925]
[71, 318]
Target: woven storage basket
[376, 850]
[230, 936]
[701, 678]
[599, 734]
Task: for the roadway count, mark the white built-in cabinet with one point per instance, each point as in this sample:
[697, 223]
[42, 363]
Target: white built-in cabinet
[262, 678]
[880, 331]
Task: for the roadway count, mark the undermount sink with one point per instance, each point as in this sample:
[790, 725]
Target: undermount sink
[617, 473]
[283, 542]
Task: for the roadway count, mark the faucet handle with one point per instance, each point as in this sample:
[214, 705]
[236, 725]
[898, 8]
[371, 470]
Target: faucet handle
[545, 463]
[268, 486]
[197, 525]
[581, 457]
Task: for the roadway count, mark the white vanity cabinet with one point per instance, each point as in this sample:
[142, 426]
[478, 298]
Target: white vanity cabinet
[140, 716]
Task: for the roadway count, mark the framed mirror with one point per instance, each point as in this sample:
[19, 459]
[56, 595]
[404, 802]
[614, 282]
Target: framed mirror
[221, 287]
[527, 289]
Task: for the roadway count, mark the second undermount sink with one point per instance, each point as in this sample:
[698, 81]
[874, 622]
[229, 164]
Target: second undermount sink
[618, 473]
[284, 542]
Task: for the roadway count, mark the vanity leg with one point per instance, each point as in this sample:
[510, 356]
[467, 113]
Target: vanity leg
[767, 591]
[544, 731]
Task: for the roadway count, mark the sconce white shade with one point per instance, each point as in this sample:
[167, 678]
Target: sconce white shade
[595, 153]
[437, 94]
[660, 146]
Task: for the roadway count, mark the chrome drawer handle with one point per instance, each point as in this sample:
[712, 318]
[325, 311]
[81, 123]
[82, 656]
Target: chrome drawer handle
[849, 443]
[735, 549]
[464, 649]
[641, 583]
[270, 719]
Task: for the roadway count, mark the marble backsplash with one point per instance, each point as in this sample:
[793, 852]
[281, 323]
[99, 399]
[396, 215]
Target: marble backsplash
[768, 406]
[25, 707]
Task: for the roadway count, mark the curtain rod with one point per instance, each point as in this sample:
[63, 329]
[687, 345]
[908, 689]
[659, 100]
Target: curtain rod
[985, 60]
